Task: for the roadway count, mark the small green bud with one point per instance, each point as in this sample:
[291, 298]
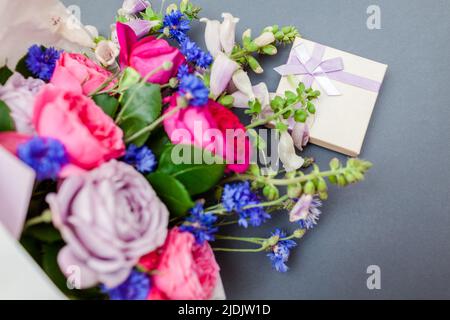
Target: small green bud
[323, 195]
[299, 233]
[300, 116]
[254, 170]
[251, 46]
[167, 65]
[226, 100]
[279, 35]
[270, 50]
[254, 65]
[184, 5]
[170, 8]
[290, 174]
[310, 188]
[271, 192]
[294, 191]
[358, 175]
[342, 182]
[311, 108]
[322, 185]
[349, 177]
[332, 179]
[173, 82]
[335, 164]
[286, 29]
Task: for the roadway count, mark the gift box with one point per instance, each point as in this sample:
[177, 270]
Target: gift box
[349, 88]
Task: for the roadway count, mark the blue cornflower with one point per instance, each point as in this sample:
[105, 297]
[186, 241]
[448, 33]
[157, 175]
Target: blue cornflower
[136, 287]
[204, 60]
[306, 211]
[195, 54]
[41, 61]
[45, 155]
[236, 197]
[280, 252]
[194, 90]
[183, 70]
[176, 24]
[142, 158]
[200, 224]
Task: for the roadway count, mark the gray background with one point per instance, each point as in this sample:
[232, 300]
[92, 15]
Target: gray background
[399, 218]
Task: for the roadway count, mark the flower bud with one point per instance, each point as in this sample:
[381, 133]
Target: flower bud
[323, 195]
[170, 8]
[294, 191]
[106, 52]
[254, 65]
[247, 35]
[342, 182]
[310, 188]
[270, 50]
[271, 192]
[254, 169]
[173, 83]
[322, 185]
[167, 65]
[299, 233]
[129, 77]
[226, 101]
[335, 164]
[265, 39]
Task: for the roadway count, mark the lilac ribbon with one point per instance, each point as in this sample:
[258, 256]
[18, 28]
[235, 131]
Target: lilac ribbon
[314, 68]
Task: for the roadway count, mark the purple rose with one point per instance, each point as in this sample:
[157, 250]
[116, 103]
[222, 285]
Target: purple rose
[109, 218]
[19, 93]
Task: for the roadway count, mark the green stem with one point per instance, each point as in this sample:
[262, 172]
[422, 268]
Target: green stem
[154, 125]
[104, 85]
[238, 250]
[272, 117]
[250, 240]
[285, 182]
[268, 204]
[45, 217]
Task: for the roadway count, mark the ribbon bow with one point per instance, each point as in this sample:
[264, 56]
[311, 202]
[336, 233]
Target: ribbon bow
[313, 67]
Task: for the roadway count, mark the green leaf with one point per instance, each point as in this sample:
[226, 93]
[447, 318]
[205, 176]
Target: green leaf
[51, 267]
[142, 105]
[5, 73]
[200, 170]
[172, 192]
[158, 142]
[108, 103]
[6, 122]
[22, 68]
[44, 232]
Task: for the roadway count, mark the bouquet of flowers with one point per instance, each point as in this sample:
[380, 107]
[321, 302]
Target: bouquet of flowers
[141, 162]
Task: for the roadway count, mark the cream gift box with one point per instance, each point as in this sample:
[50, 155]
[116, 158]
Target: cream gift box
[349, 85]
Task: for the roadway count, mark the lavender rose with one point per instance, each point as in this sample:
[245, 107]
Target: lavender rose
[18, 93]
[109, 218]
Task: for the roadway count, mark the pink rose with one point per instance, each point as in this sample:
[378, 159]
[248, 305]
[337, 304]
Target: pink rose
[147, 54]
[89, 135]
[213, 128]
[186, 270]
[76, 72]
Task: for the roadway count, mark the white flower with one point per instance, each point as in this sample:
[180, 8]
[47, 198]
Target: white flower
[107, 52]
[212, 38]
[286, 150]
[221, 73]
[228, 32]
[130, 7]
[300, 135]
[44, 22]
[243, 84]
[264, 39]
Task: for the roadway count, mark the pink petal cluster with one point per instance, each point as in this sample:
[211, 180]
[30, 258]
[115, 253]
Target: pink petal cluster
[147, 54]
[213, 128]
[185, 271]
[91, 137]
[76, 72]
